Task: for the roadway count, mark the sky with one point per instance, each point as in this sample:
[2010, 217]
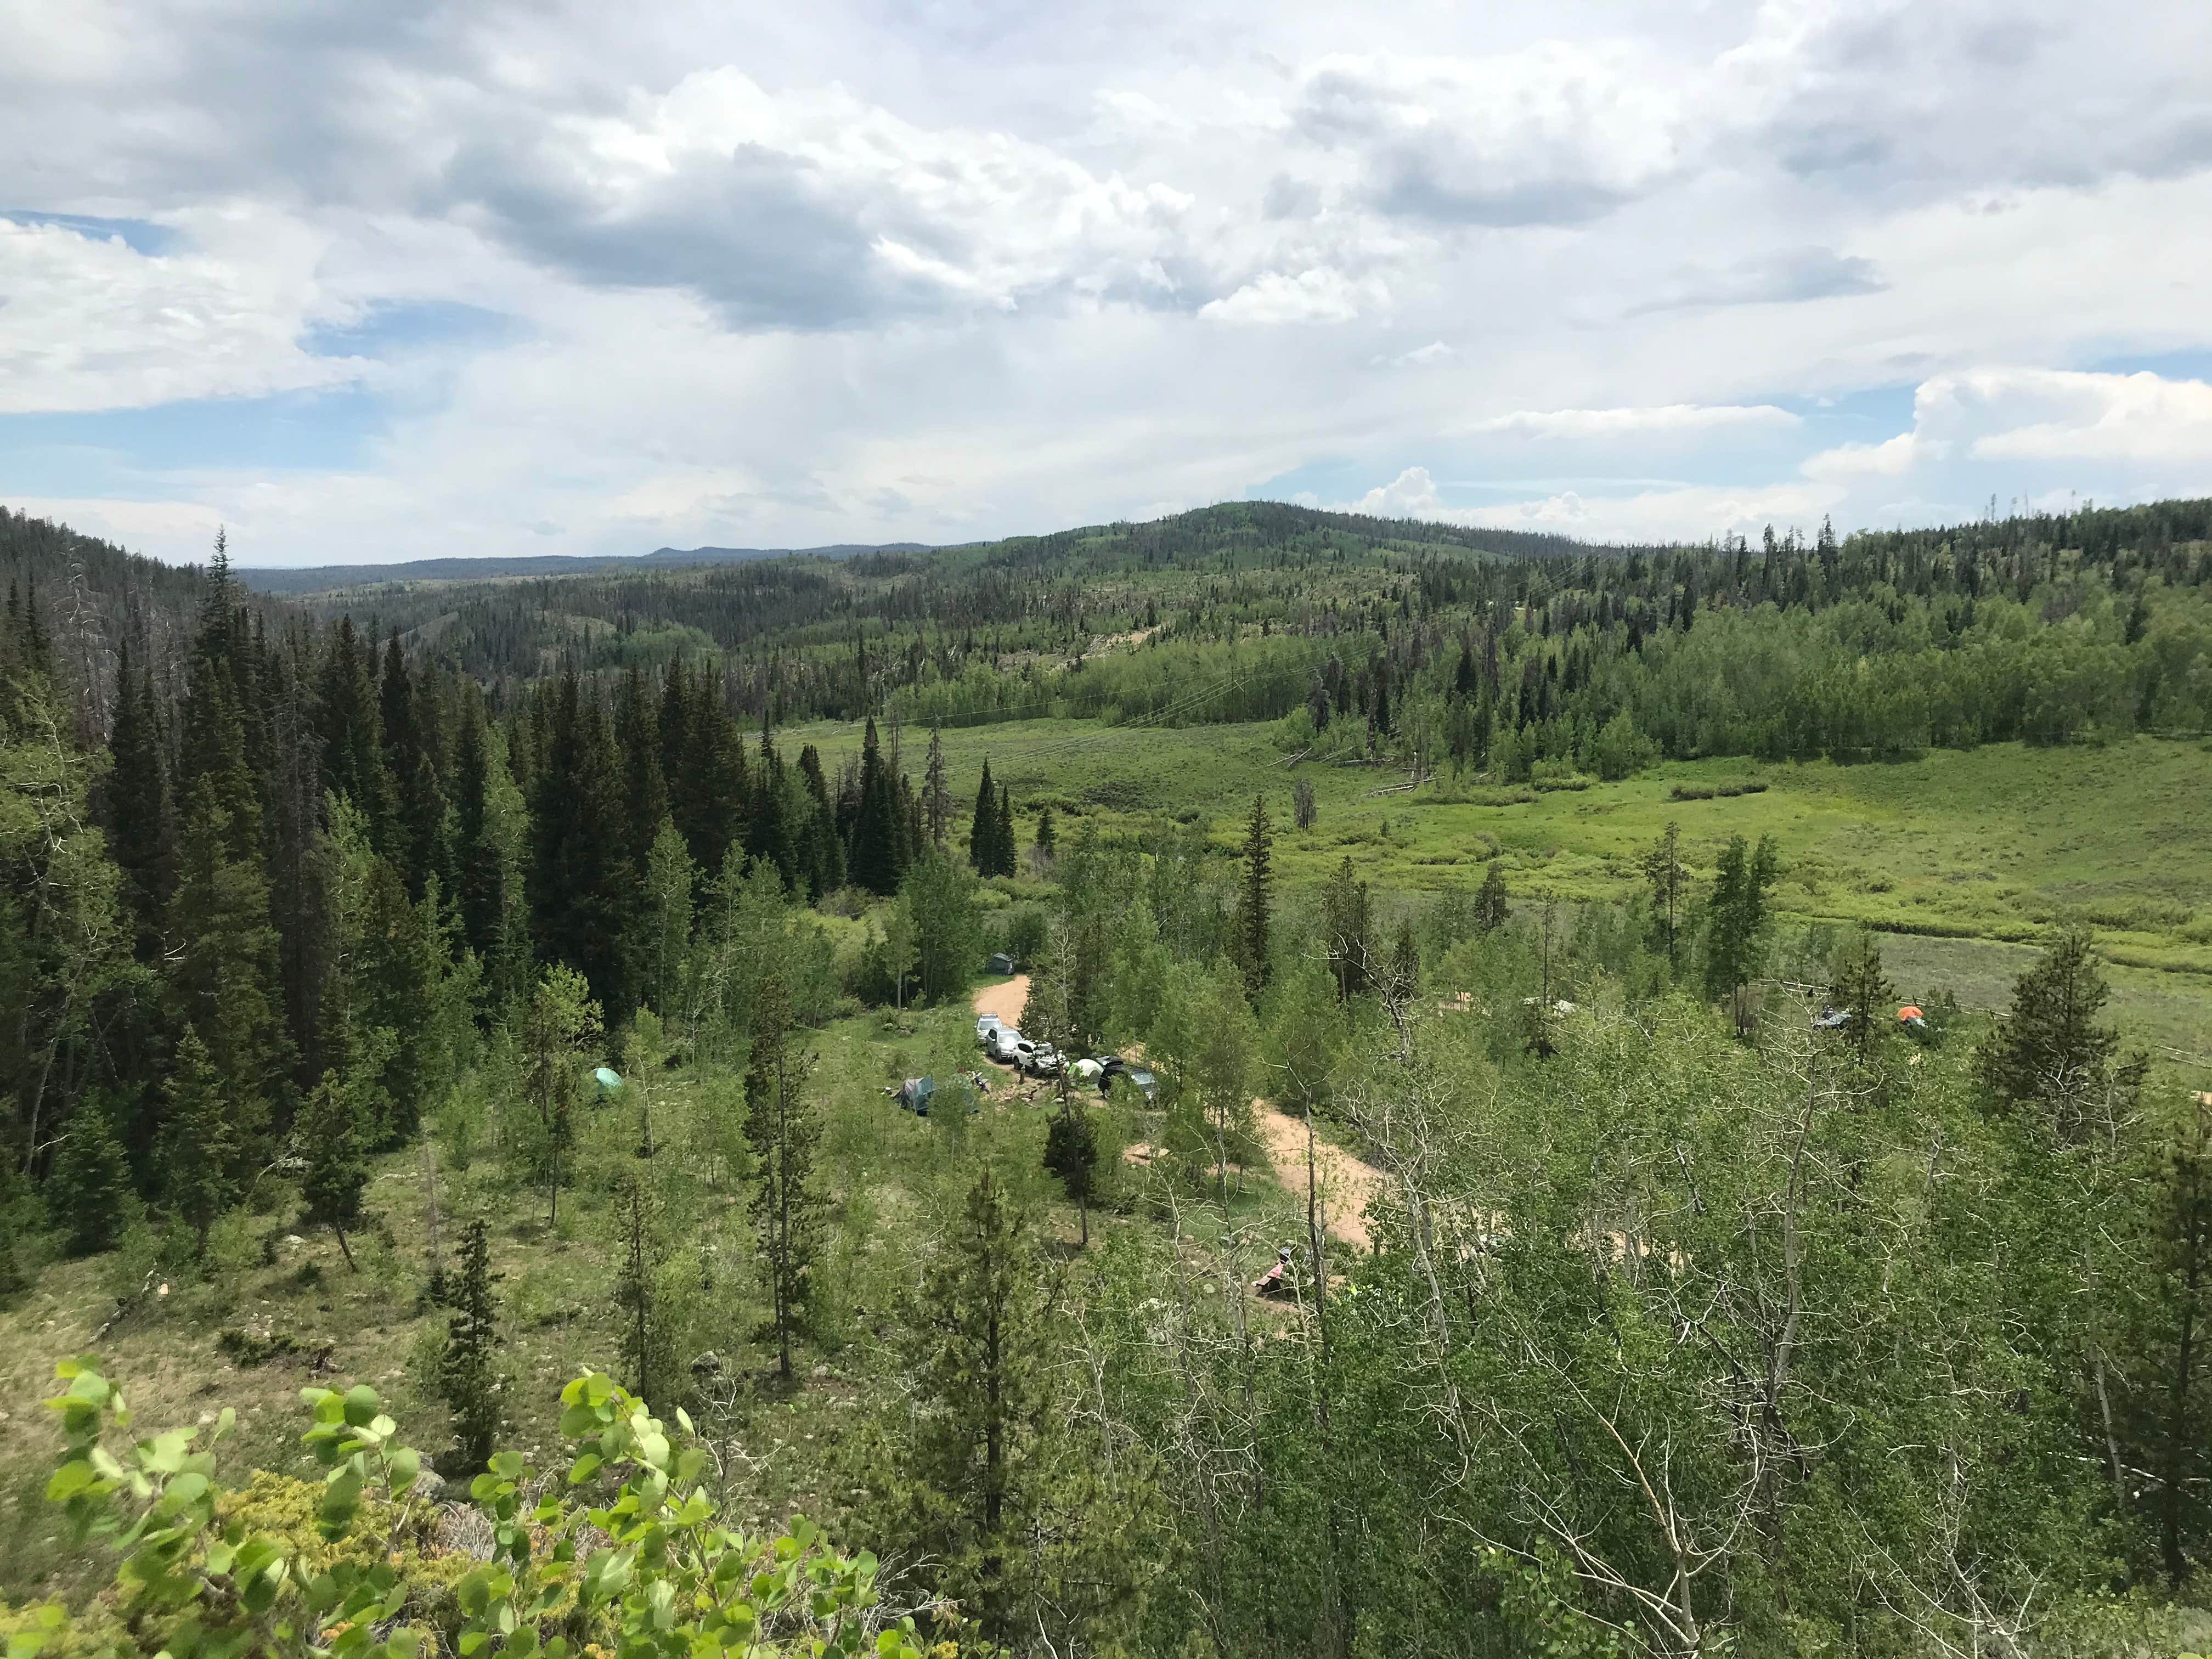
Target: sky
[413, 280]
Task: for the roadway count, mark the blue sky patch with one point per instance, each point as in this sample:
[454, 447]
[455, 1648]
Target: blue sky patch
[142, 236]
[395, 328]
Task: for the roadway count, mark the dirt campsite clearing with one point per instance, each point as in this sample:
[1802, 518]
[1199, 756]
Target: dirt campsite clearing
[1346, 1183]
[1005, 1000]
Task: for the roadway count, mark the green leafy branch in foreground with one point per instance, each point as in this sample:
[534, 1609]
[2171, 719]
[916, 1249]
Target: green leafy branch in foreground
[662, 1579]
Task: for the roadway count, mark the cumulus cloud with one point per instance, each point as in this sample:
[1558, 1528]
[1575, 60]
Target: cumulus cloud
[1319, 295]
[812, 209]
[1553, 135]
[2046, 415]
[1682, 513]
[88, 322]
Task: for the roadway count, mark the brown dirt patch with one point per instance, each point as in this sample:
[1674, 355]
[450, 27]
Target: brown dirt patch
[1005, 1000]
[1346, 1184]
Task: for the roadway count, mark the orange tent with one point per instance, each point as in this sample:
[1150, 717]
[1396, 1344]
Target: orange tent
[1909, 1012]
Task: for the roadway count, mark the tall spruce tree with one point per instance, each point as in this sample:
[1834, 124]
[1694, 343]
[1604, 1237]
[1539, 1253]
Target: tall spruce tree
[875, 863]
[645, 789]
[352, 746]
[1005, 852]
[783, 1129]
[770, 835]
[200, 1144]
[584, 888]
[1670, 893]
[136, 795]
[1491, 900]
[640, 1248]
[1736, 915]
[1255, 899]
[468, 1376]
[979, 1354]
[821, 849]
[936, 796]
[983, 828]
[223, 975]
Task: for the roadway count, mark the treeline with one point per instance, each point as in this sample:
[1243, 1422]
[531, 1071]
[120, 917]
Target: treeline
[1468, 648]
[307, 885]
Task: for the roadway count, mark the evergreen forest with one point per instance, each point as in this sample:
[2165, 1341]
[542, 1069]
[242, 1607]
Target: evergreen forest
[1665, 1100]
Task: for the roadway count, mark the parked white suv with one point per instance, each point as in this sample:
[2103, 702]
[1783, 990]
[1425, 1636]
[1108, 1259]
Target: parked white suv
[985, 1026]
[1004, 1045]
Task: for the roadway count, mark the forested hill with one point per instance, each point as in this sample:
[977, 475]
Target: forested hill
[92, 598]
[320, 579]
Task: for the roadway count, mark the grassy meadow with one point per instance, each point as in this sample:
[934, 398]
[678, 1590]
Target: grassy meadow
[1962, 859]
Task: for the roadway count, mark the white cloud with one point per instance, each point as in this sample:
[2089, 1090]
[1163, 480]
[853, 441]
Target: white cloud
[1554, 134]
[860, 273]
[810, 208]
[1690, 514]
[1665, 418]
[86, 322]
[1319, 295]
[2044, 415]
[1411, 495]
[1887, 459]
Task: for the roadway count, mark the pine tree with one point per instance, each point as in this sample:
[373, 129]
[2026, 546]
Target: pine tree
[138, 809]
[331, 1148]
[2048, 1051]
[983, 828]
[1254, 901]
[478, 875]
[1858, 986]
[783, 1130]
[88, 1193]
[1670, 891]
[467, 1368]
[1071, 1151]
[1047, 837]
[1405, 962]
[645, 789]
[979, 1353]
[584, 888]
[669, 878]
[874, 862]
[640, 1248]
[936, 796]
[199, 1141]
[352, 746]
[770, 835]
[223, 975]
[561, 1020]
[1347, 932]
[821, 849]
[1002, 840]
[1490, 900]
[1736, 915]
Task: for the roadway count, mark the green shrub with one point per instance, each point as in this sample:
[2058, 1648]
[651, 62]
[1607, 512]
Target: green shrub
[350, 1567]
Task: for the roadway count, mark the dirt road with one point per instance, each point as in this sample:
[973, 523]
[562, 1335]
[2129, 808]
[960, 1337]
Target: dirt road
[1346, 1183]
[1004, 1001]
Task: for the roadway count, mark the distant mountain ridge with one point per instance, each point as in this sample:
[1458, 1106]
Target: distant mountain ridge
[318, 579]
